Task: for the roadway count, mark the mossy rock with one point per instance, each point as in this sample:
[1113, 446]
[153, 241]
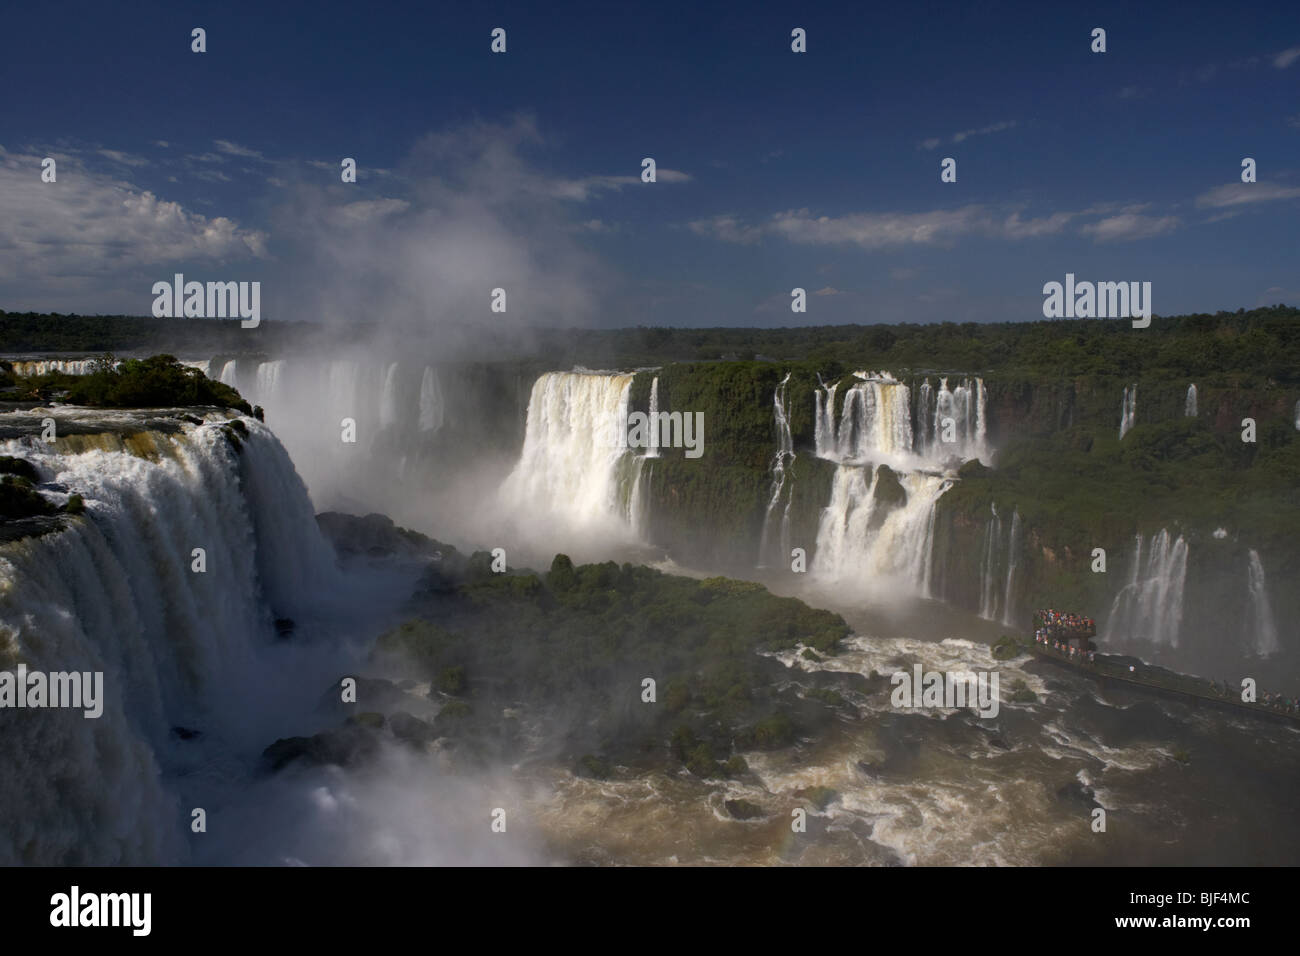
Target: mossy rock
[1021, 694]
[889, 496]
[451, 680]
[1006, 648]
[18, 500]
[368, 719]
[594, 768]
[743, 809]
[831, 698]
[701, 762]
[20, 467]
[735, 766]
[809, 654]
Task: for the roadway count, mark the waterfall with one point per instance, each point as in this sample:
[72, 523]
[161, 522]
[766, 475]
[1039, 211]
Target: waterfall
[114, 591]
[862, 544]
[1261, 626]
[988, 566]
[1013, 554]
[431, 407]
[1297, 416]
[824, 422]
[1128, 409]
[388, 398]
[925, 418]
[1189, 406]
[653, 450]
[573, 466]
[781, 462]
[1149, 609]
[228, 372]
[876, 422]
[268, 382]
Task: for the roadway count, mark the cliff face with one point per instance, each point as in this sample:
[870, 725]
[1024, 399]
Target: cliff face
[1023, 533]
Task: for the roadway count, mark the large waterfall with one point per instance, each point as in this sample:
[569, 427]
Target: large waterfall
[1149, 609]
[875, 422]
[878, 527]
[574, 473]
[117, 591]
[1189, 405]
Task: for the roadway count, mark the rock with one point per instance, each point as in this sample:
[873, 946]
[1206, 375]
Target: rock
[344, 747]
[284, 627]
[743, 809]
[185, 733]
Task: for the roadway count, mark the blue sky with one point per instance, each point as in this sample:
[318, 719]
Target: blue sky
[776, 169]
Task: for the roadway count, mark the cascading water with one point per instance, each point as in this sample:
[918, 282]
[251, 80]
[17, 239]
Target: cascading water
[1013, 555]
[1189, 406]
[866, 542]
[1261, 625]
[1128, 409]
[574, 469]
[388, 398]
[653, 450]
[1149, 609]
[431, 403]
[776, 521]
[988, 566]
[116, 591]
[864, 535]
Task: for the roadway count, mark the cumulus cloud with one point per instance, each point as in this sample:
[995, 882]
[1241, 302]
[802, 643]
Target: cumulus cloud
[88, 224]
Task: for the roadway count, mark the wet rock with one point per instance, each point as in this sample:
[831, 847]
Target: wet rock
[743, 809]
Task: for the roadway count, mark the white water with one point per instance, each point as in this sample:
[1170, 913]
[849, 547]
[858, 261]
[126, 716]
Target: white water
[856, 546]
[988, 566]
[1013, 555]
[859, 552]
[64, 366]
[776, 521]
[1261, 627]
[115, 592]
[431, 404]
[653, 450]
[1128, 409]
[1149, 609]
[574, 475]
[875, 422]
[1189, 406]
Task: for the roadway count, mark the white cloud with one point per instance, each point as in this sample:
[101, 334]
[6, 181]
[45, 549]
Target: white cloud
[934, 141]
[1286, 57]
[1129, 226]
[882, 230]
[234, 149]
[1244, 194]
[89, 225]
[126, 159]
